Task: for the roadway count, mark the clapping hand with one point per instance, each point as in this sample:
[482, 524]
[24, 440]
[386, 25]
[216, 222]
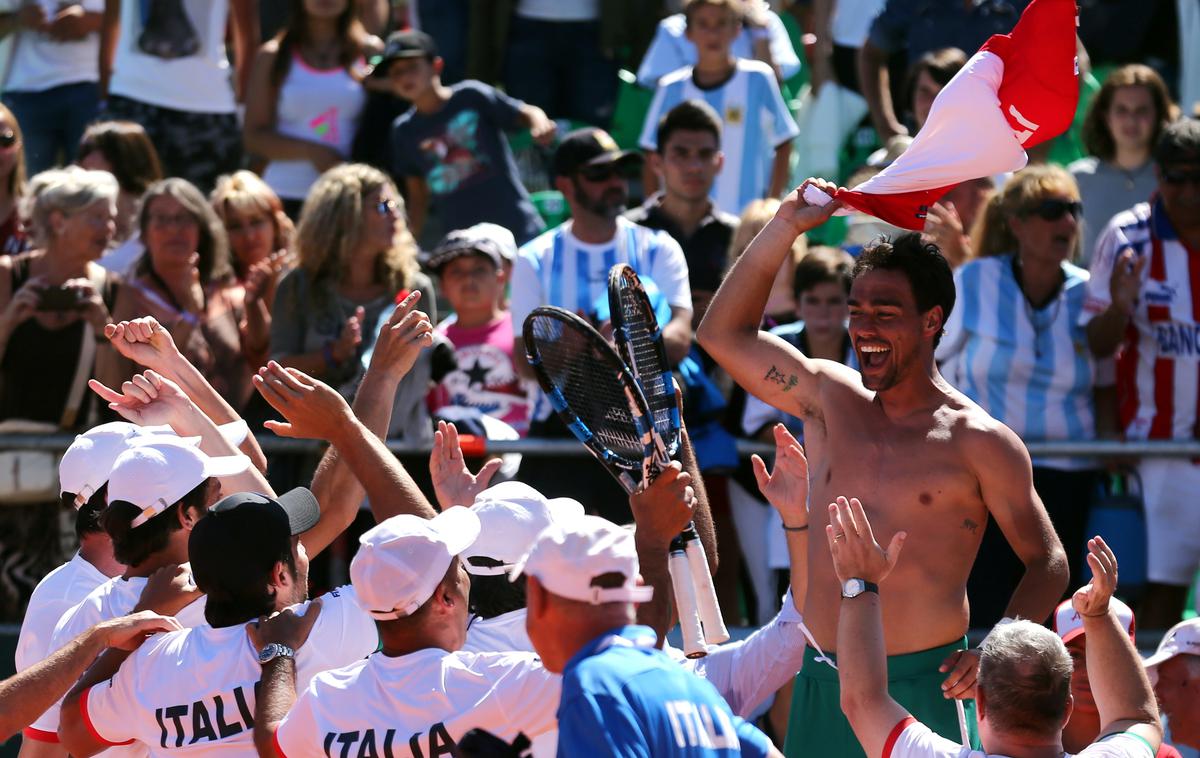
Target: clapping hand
[313, 409]
[148, 399]
[786, 486]
[452, 481]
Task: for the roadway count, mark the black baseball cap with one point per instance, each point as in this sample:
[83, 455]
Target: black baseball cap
[589, 147]
[243, 534]
[406, 44]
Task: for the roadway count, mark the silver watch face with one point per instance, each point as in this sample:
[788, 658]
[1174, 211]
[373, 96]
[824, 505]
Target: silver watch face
[853, 587]
[272, 651]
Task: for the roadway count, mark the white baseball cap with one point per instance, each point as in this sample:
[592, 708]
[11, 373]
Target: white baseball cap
[567, 558]
[87, 463]
[156, 473]
[1068, 624]
[1181, 639]
[401, 561]
[512, 515]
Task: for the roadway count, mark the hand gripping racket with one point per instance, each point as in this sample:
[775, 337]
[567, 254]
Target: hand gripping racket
[639, 340]
[598, 399]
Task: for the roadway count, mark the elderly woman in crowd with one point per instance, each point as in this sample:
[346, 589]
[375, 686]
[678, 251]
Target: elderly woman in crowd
[1015, 346]
[123, 149]
[184, 279]
[261, 239]
[357, 258]
[55, 300]
[1123, 123]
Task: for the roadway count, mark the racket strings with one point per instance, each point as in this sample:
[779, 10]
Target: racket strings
[649, 363]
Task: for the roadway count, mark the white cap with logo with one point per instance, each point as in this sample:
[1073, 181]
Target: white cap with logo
[512, 515]
[87, 463]
[1181, 639]
[156, 473]
[567, 559]
[401, 562]
[1069, 625]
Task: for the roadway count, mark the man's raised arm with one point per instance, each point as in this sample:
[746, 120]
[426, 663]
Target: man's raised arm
[764, 364]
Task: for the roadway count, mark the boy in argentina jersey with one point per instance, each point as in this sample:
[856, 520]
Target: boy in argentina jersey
[193, 691]
[1023, 691]
[420, 694]
[757, 127]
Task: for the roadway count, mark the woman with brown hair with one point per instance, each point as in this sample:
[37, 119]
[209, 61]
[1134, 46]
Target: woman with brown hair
[12, 185]
[123, 149]
[1122, 125]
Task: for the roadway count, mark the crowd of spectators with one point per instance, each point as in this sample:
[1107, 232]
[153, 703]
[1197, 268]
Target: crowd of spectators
[263, 177]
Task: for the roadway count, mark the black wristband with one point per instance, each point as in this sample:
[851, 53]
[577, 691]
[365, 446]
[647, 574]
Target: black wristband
[787, 528]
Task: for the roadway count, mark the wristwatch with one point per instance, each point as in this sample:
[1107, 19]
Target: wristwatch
[275, 650]
[855, 587]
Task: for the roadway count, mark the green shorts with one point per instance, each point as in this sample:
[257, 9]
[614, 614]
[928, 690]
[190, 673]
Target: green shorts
[817, 728]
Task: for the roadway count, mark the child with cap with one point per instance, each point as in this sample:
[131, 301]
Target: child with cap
[421, 693]
[451, 146]
[620, 694]
[197, 686]
[469, 264]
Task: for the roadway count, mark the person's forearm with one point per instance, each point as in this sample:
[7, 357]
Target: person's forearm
[270, 144]
[256, 334]
[737, 309]
[276, 696]
[195, 423]
[246, 38]
[1122, 690]
[797, 547]
[1041, 588]
[862, 675]
[110, 30]
[1106, 331]
[875, 83]
[34, 691]
[701, 514]
[652, 561]
[780, 170]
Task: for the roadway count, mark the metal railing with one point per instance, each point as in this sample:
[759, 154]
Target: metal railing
[570, 448]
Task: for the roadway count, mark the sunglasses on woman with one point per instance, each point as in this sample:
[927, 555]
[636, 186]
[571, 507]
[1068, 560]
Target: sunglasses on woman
[1053, 210]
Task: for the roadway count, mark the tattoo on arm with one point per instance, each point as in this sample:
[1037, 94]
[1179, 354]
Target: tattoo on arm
[786, 381]
[970, 526]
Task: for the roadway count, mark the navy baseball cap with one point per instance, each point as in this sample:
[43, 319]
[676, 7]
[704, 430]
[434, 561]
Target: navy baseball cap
[589, 147]
[406, 44]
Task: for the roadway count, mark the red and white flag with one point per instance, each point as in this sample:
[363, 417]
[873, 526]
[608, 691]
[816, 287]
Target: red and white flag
[1019, 90]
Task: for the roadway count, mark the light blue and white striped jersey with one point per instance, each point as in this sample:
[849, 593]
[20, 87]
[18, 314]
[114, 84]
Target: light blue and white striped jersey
[754, 118]
[1030, 369]
[555, 268]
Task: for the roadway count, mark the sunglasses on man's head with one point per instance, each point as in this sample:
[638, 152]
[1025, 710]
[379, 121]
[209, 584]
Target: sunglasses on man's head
[1177, 177]
[8, 138]
[1053, 210]
[606, 171]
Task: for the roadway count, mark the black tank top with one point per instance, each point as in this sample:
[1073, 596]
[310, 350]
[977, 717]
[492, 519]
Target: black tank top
[39, 363]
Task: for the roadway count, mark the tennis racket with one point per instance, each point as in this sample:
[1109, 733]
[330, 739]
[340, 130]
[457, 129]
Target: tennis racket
[639, 340]
[593, 392]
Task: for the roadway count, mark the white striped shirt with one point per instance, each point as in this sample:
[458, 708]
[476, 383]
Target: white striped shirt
[1028, 368]
[1158, 367]
[754, 118]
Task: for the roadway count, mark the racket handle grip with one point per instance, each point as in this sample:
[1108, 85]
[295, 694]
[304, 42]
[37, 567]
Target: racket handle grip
[706, 594]
[685, 603]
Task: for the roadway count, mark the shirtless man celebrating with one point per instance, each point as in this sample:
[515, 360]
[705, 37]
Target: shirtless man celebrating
[925, 459]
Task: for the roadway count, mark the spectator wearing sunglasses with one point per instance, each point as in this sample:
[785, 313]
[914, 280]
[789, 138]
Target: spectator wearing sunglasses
[1017, 348]
[1144, 298]
[357, 259]
[13, 237]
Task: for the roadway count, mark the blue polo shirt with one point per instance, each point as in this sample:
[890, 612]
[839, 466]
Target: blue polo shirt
[621, 696]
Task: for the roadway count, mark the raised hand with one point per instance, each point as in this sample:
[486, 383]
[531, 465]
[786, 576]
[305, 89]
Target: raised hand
[285, 627]
[945, 228]
[797, 212]
[144, 341]
[148, 399]
[1092, 598]
[313, 409]
[856, 554]
[662, 508]
[169, 590]
[786, 486]
[407, 332]
[127, 632]
[453, 483]
[1126, 281]
[263, 277]
[349, 338]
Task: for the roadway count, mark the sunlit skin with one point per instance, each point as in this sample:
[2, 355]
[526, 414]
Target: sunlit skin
[1179, 699]
[251, 236]
[86, 232]
[887, 329]
[172, 234]
[474, 287]
[689, 163]
[1042, 242]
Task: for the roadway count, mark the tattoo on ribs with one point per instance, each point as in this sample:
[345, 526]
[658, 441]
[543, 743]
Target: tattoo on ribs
[970, 526]
[786, 381]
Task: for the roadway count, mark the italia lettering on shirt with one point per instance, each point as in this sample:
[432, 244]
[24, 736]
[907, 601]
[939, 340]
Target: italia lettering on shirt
[1178, 340]
[210, 719]
[699, 726]
[365, 744]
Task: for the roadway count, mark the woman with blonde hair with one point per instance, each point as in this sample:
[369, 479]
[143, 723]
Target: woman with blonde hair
[1122, 125]
[1016, 347]
[12, 183]
[185, 280]
[781, 303]
[261, 240]
[357, 258]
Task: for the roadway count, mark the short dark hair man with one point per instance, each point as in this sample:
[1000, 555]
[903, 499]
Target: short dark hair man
[687, 154]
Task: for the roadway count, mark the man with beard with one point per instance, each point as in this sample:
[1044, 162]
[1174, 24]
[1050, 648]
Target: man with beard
[568, 266]
[926, 459]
